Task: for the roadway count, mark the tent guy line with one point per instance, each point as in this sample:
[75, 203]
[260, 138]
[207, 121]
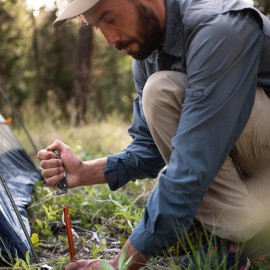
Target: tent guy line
[19, 218]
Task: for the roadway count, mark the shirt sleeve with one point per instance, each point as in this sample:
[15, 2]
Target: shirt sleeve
[141, 159]
[222, 64]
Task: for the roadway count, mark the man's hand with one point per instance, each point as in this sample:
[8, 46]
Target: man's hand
[138, 260]
[79, 173]
[53, 168]
[84, 265]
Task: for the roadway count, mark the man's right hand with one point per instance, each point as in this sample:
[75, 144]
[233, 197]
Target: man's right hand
[79, 173]
[52, 169]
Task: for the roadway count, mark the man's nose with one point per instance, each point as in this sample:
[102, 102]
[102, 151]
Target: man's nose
[111, 36]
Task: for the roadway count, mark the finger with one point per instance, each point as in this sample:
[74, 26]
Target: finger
[84, 265]
[52, 175]
[52, 163]
[72, 266]
[52, 181]
[45, 155]
[57, 144]
[49, 172]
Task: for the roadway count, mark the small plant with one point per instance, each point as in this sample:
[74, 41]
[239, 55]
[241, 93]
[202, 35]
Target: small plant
[44, 225]
[95, 249]
[35, 240]
[123, 264]
[21, 264]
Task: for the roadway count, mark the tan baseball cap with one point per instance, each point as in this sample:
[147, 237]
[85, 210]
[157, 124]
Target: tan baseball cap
[74, 9]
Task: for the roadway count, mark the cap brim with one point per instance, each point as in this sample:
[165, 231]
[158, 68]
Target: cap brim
[74, 9]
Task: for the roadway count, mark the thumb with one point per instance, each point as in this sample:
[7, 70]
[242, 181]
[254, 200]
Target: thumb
[83, 265]
[56, 145]
[71, 266]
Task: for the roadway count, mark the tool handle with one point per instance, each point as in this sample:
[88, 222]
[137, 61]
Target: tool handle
[61, 186]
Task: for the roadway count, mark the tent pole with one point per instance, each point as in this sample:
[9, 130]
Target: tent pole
[19, 218]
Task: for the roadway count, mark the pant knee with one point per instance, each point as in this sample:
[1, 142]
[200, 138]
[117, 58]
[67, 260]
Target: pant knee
[164, 89]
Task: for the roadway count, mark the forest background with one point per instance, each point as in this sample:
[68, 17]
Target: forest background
[68, 73]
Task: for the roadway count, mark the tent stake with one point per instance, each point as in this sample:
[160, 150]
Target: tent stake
[19, 218]
[69, 235]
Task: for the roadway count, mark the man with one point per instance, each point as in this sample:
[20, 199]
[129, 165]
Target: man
[198, 67]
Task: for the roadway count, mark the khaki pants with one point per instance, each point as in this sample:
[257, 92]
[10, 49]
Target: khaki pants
[235, 206]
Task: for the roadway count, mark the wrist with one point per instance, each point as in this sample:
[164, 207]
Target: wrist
[79, 175]
[91, 172]
[138, 259]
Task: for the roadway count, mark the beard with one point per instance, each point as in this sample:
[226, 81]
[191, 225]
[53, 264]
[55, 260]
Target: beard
[149, 33]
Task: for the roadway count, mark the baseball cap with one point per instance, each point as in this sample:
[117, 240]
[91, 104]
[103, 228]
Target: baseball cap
[74, 9]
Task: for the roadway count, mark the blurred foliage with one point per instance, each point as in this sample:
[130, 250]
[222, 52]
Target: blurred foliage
[38, 63]
[263, 5]
[14, 49]
[112, 79]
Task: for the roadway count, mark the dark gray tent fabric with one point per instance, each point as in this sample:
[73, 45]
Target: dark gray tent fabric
[20, 174]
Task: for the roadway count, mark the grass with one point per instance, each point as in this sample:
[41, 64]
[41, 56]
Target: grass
[96, 209]
[102, 219]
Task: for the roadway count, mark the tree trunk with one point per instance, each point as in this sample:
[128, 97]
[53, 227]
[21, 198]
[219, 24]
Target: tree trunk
[82, 75]
[40, 95]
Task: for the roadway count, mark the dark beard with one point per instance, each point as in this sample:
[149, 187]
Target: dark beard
[149, 33]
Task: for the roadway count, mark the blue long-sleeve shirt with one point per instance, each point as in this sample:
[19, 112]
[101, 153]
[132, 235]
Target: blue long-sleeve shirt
[224, 48]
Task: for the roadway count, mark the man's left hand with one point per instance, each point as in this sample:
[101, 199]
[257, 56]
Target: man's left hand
[85, 265]
[138, 260]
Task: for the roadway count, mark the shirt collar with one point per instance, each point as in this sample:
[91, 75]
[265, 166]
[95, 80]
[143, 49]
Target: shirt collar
[173, 35]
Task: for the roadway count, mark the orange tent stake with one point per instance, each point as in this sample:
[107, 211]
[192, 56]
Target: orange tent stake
[69, 235]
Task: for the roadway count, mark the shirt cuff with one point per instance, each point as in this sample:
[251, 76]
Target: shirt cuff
[115, 172]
